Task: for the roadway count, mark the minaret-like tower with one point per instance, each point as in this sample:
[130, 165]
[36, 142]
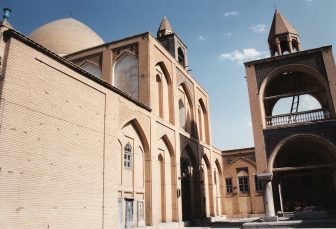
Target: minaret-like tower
[172, 42]
[283, 36]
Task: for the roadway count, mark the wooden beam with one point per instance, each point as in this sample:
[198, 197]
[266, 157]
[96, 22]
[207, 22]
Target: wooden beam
[298, 168]
[293, 94]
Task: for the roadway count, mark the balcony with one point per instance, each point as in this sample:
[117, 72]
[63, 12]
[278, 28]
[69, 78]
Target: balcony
[297, 117]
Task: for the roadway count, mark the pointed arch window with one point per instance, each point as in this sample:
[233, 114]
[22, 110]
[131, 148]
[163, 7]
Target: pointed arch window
[126, 75]
[128, 156]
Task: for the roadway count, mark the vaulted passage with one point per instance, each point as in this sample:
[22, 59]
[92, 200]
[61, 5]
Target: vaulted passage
[304, 172]
[189, 178]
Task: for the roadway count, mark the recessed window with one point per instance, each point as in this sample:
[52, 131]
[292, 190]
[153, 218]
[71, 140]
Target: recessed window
[128, 156]
[257, 184]
[228, 182]
[243, 184]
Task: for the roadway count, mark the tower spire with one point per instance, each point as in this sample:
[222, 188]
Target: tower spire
[282, 36]
[165, 28]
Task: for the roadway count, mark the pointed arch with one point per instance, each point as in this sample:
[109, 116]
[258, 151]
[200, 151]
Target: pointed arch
[165, 92]
[147, 167]
[126, 74]
[170, 179]
[135, 123]
[203, 122]
[169, 145]
[243, 159]
[186, 108]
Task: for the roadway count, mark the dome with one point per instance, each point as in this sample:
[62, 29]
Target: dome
[66, 36]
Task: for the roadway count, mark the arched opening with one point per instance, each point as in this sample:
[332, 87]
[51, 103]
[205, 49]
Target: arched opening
[166, 184]
[136, 179]
[203, 122]
[181, 57]
[92, 68]
[218, 187]
[185, 108]
[295, 44]
[162, 188]
[189, 178]
[294, 96]
[163, 95]
[303, 168]
[159, 93]
[206, 187]
[126, 75]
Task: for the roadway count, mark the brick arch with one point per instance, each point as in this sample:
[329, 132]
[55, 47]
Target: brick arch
[137, 126]
[319, 140]
[300, 68]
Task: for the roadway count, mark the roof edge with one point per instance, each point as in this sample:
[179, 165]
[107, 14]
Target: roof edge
[13, 33]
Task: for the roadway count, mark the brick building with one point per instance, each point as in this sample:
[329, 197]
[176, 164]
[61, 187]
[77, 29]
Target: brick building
[118, 134]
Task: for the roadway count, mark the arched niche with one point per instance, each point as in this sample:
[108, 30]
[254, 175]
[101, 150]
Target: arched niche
[92, 68]
[203, 122]
[185, 107]
[163, 93]
[126, 74]
[137, 177]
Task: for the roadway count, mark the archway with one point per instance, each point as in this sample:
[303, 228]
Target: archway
[136, 173]
[303, 167]
[189, 174]
[296, 88]
[206, 187]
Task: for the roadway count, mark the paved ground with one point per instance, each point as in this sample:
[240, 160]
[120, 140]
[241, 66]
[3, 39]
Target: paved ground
[233, 224]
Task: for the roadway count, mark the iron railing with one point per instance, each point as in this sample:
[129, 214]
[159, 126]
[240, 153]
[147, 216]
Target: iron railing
[297, 117]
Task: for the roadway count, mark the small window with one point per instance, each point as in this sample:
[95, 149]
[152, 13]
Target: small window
[228, 182]
[257, 184]
[128, 156]
[243, 184]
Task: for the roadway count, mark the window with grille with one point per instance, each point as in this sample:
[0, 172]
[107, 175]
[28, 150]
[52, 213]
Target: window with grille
[243, 184]
[257, 184]
[228, 182]
[128, 156]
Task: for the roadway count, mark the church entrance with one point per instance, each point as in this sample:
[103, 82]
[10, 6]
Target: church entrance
[189, 180]
[304, 176]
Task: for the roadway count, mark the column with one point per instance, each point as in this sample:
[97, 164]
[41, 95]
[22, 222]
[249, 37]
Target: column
[268, 197]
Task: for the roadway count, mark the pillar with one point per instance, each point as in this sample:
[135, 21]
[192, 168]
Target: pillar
[268, 197]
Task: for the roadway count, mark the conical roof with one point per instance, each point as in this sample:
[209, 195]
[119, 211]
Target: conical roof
[280, 26]
[165, 26]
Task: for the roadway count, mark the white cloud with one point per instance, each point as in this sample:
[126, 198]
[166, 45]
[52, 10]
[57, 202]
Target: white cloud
[201, 38]
[230, 13]
[244, 55]
[259, 28]
[229, 34]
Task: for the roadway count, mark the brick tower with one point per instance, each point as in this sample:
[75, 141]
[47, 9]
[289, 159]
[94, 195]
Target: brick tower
[293, 101]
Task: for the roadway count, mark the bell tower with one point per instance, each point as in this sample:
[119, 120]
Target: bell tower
[293, 108]
[172, 42]
[282, 36]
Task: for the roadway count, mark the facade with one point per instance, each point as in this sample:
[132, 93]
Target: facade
[103, 135]
[118, 134]
[296, 149]
[243, 189]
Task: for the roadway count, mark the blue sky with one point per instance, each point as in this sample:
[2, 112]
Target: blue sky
[220, 35]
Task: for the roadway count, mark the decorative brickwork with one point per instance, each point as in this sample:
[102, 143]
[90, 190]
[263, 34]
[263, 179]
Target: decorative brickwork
[97, 58]
[131, 49]
[325, 130]
[313, 60]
